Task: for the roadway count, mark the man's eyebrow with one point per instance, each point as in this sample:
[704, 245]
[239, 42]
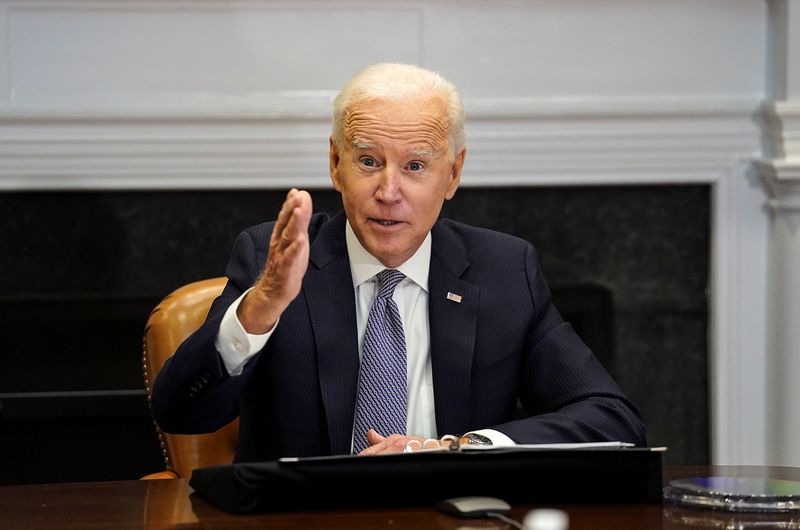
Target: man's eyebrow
[360, 143]
[420, 151]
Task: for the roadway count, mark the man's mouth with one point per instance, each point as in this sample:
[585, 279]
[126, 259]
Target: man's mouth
[385, 222]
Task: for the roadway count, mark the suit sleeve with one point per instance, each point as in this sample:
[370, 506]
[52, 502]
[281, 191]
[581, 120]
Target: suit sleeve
[193, 392]
[569, 395]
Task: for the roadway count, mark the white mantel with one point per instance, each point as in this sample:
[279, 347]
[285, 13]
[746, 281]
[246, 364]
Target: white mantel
[123, 94]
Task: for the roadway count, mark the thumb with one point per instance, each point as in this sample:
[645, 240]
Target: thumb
[373, 437]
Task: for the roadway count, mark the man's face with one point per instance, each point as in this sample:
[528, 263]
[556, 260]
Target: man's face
[394, 173]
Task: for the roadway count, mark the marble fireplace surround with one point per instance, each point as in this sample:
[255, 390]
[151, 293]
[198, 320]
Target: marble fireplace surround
[203, 94]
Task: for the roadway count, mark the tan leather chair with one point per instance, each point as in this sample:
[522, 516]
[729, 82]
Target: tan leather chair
[175, 318]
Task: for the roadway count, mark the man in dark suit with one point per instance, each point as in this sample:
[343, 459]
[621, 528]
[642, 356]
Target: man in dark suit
[300, 349]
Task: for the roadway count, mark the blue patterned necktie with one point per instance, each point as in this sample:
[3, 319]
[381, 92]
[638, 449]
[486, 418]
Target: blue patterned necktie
[382, 390]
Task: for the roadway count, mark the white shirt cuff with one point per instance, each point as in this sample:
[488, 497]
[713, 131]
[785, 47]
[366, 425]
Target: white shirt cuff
[498, 439]
[235, 345]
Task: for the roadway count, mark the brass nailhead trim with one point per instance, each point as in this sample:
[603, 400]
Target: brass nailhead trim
[162, 442]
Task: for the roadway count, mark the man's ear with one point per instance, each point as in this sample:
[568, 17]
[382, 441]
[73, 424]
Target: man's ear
[455, 173]
[334, 164]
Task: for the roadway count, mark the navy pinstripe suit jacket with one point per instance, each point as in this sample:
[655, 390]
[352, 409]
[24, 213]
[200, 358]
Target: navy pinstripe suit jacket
[504, 341]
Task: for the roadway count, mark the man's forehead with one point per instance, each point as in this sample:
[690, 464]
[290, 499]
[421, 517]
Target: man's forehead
[420, 124]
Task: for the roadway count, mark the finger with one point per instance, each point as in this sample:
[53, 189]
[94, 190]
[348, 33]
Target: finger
[396, 443]
[294, 227]
[412, 445]
[430, 443]
[294, 241]
[293, 224]
[297, 223]
[377, 443]
[288, 205]
[374, 449]
[284, 216]
[305, 203]
[369, 451]
[374, 437]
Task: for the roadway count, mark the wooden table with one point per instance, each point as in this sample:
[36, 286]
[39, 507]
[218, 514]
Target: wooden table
[170, 503]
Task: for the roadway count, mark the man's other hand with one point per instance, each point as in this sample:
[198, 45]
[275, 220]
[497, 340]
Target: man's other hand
[396, 443]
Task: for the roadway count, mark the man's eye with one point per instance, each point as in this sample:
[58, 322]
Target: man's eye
[369, 162]
[415, 166]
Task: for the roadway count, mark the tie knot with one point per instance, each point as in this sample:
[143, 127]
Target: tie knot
[387, 281]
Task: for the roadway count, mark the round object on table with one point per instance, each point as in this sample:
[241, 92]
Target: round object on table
[735, 494]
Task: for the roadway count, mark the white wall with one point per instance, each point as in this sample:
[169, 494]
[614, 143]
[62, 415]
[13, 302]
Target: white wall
[123, 94]
[116, 94]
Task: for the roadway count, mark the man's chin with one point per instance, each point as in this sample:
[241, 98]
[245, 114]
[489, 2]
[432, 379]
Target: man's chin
[391, 256]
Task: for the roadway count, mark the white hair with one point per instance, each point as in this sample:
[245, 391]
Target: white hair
[400, 82]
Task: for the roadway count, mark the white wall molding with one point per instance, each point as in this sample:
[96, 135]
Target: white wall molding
[782, 181]
[782, 128]
[737, 343]
[282, 141]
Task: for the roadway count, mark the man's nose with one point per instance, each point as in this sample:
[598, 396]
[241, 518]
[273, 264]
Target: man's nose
[388, 185]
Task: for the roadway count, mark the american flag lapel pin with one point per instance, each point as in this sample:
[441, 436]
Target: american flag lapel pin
[454, 297]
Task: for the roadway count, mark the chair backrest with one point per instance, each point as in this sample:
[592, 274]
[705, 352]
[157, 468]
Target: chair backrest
[175, 318]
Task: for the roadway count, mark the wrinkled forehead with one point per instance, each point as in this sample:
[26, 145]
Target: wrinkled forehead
[421, 120]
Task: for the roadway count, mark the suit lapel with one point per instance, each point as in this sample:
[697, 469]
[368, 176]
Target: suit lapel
[453, 328]
[328, 291]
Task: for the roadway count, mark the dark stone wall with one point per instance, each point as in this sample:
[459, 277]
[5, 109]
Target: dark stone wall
[81, 270]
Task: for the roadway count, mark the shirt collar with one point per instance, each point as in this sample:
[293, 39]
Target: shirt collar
[364, 265]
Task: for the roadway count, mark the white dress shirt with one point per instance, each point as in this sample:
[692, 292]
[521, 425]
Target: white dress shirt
[411, 297]
[236, 346]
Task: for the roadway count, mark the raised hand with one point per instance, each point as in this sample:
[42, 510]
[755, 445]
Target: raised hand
[279, 283]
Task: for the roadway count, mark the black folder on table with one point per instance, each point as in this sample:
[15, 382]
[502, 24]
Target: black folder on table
[518, 475]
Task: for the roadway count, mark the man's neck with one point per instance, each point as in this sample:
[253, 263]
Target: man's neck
[364, 265]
